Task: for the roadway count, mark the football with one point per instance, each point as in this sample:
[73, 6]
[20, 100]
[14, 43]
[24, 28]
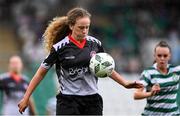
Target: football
[102, 65]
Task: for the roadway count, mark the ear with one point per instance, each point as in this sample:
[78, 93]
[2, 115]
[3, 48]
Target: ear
[71, 27]
[169, 56]
[154, 56]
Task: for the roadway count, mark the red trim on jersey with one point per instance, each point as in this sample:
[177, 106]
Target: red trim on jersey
[15, 77]
[77, 43]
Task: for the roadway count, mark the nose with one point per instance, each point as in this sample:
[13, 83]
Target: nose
[162, 58]
[84, 31]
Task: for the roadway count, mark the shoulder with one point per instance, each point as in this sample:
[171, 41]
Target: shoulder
[147, 72]
[149, 69]
[174, 68]
[25, 78]
[93, 39]
[61, 43]
[4, 76]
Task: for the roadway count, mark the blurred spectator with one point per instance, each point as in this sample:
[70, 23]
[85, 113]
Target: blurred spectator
[175, 43]
[13, 85]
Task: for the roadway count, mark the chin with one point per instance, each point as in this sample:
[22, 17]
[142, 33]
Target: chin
[163, 65]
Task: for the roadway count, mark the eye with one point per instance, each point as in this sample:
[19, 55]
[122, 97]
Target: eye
[83, 27]
[165, 56]
[159, 55]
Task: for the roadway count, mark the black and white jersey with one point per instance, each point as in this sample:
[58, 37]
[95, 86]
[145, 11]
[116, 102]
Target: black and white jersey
[13, 92]
[72, 65]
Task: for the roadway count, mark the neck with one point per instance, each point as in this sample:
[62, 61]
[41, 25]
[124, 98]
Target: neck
[16, 73]
[162, 69]
[78, 38]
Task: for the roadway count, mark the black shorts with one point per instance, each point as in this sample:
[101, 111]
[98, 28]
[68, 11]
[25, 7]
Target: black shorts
[79, 105]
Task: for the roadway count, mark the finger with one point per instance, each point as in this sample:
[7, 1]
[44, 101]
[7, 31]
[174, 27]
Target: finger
[158, 90]
[24, 109]
[21, 107]
[139, 85]
[20, 111]
[153, 93]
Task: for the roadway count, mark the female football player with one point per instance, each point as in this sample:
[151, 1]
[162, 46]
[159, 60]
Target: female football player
[13, 85]
[161, 82]
[70, 49]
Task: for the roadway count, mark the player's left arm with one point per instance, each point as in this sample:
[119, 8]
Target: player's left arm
[127, 84]
[141, 94]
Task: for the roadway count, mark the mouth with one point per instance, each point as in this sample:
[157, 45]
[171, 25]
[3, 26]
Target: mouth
[162, 62]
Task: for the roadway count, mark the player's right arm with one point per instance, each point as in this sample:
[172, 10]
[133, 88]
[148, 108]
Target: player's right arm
[141, 93]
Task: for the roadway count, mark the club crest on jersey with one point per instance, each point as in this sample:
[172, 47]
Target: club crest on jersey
[92, 53]
[176, 77]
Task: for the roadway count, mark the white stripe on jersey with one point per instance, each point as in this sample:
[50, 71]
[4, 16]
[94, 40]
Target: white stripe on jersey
[162, 80]
[90, 38]
[61, 43]
[4, 75]
[175, 69]
[159, 97]
[150, 72]
[164, 105]
[151, 113]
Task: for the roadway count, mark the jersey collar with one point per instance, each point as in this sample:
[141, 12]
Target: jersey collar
[15, 77]
[155, 66]
[80, 45]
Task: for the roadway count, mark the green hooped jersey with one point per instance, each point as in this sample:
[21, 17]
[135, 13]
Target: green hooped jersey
[164, 103]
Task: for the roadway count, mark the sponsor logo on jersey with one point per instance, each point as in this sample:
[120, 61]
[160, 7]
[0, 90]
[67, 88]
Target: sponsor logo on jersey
[176, 77]
[78, 71]
[69, 57]
[92, 53]
[11, 85]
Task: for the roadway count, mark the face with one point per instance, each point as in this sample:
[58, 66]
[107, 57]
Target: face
[15, 64]
[81, 28]
[162, 56]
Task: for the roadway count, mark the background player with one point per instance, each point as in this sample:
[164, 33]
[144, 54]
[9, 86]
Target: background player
[71, 48]
[161, 82]
[13, 84]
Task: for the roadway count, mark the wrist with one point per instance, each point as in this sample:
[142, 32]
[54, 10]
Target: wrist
[26, 98]
[150, 94]
[126, 84]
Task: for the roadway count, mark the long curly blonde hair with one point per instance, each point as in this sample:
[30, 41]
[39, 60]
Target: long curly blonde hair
[58, 28]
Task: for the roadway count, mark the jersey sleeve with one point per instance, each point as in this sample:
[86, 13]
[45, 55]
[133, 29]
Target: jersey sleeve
[145, 78]
[177, 69]
[100, 47]
[50, 59]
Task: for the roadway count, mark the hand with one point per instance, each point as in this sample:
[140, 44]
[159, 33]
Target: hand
[134, 85]
[23, 105]
[155, 89]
